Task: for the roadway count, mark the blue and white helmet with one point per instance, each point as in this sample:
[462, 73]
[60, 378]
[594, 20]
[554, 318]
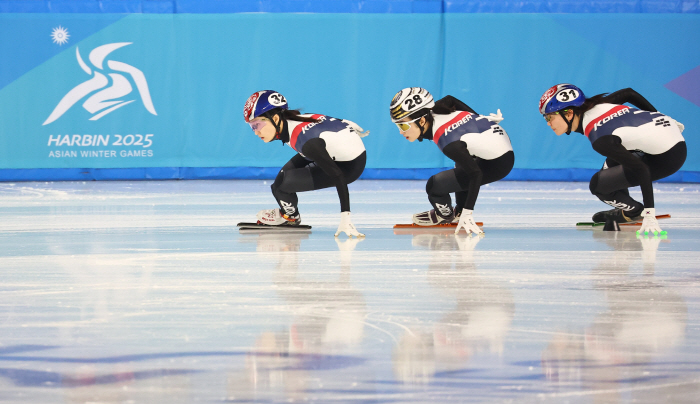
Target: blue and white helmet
[560, 97]
[261, 102]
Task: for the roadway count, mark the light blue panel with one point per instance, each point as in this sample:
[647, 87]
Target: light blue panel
[29, 101]
[503, 61]
[507, 61]
[643, 52]
[19, 30]
[340, 65]
[200, 69]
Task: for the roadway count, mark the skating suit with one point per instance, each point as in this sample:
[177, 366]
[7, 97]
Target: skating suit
[342, 142]
[649, 132]
[484, 138]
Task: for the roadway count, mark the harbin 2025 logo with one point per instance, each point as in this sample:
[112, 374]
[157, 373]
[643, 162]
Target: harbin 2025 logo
[105, 92]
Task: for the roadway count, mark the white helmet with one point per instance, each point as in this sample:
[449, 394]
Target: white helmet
[408, 101]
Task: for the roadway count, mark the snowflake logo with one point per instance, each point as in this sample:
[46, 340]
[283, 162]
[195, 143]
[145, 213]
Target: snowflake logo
[59, 35]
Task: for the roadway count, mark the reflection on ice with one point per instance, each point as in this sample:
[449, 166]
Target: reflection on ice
[326, 324]
[478, 322]
[644, 319]
[147, 292]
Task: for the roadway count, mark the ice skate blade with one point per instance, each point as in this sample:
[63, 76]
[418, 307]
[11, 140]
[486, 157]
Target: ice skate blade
[414, 229]
[634, 225]
[255, 227]
[435, 226]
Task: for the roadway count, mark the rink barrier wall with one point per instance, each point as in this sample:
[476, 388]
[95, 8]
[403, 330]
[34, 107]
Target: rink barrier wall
[145, 96]
[268, 173]
[347, 6]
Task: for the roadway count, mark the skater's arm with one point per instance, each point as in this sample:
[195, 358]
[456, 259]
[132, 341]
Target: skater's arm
[449, 102]
[611, 146]
[458, 152]
[315, 149]
[630, 96]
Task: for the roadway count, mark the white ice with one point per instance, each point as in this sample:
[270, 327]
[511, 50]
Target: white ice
[146, 292]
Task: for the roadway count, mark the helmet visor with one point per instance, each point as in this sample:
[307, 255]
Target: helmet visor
[548, 117]
[404, 126]
[257, 124]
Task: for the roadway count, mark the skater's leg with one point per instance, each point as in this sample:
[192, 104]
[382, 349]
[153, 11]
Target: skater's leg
[667, 163]
[460, 200]
[310, 178]
[286, 186]
[491, 170]
[351, 172]
[293, 177]
[439, 187]
[496, 169]
[611, 183]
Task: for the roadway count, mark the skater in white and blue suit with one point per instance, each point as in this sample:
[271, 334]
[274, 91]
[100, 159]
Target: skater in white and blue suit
[640, 144]
[330, 153]
[477, 144]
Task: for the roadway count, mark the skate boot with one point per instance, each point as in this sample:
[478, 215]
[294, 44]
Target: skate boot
[431, 218]
[616, 214]
[273, 217]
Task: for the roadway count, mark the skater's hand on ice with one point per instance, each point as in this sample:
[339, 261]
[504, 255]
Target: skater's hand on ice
[466, 221]
[496, 118]
[650, 225]
[347, 226]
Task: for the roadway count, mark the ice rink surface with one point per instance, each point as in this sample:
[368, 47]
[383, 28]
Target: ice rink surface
[146, 292]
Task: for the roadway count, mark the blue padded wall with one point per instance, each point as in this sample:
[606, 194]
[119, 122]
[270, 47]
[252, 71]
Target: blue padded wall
[349, 6]
[199, 67]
